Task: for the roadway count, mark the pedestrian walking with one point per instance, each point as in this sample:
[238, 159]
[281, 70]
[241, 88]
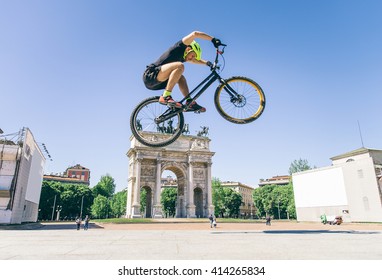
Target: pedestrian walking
[268, 220]
[78, 223]
[211, 218]
[86, 222]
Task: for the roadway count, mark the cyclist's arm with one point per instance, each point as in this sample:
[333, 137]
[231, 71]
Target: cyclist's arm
[187, 40]
[200, 62]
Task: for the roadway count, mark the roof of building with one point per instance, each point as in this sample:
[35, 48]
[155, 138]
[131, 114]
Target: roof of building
[235, 184]
[77, 166]
[64, 179]
[356, 152]
[275, 180]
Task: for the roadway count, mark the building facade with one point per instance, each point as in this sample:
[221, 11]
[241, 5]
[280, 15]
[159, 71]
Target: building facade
[247, 208]
[282, 180]
[73, 175]
[79, 172]
[21, 172]
[351, 188]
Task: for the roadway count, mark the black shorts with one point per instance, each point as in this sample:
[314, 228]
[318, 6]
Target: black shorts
[150, 78]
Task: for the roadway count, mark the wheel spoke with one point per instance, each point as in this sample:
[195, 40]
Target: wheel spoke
[246, 104]
[147, 131]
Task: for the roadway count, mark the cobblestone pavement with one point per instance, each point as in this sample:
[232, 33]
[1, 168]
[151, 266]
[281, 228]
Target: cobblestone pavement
[186, 224]
[181, 240]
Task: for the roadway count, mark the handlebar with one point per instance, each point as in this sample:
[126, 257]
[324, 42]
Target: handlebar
[219, 51]
[222, 50]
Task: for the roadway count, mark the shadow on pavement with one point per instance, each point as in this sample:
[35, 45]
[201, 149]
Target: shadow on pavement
[47, 226]
[300, 232]
[67, 226]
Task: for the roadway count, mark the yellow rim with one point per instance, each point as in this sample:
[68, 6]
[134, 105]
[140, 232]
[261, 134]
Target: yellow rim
[259, 93]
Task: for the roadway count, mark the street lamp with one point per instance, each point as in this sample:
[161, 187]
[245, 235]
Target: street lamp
[59, 208]
[82, 205]
[278, 203]
[54, 207]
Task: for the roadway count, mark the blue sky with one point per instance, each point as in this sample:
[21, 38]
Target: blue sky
[71, 72]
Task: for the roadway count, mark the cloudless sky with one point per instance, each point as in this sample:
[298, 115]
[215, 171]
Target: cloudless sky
[71, 72]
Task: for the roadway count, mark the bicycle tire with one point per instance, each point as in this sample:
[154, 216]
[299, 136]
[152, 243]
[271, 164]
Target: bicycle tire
[147, 131]
[247, 108]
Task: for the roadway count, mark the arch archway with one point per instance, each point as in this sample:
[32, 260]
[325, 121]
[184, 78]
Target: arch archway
[189, 158]
[147, 201]
[198, 201]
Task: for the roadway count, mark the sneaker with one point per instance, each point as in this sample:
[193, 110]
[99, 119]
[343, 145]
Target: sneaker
[194, 107]
[169, 102]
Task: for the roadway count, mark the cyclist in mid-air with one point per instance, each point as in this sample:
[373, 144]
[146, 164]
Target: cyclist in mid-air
[168, 70]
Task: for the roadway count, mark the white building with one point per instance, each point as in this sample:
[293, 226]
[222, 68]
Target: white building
[351, 188]
[21, 172]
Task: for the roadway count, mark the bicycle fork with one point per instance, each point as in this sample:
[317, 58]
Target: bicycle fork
[237, 99]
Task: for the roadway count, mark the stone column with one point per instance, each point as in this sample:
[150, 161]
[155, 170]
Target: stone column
[157, 191]
[131, 186]
[190, 186]
[137, 186]
[211, 207]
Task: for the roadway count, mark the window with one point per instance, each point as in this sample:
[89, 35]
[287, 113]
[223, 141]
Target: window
[360, 173]
[366, 205]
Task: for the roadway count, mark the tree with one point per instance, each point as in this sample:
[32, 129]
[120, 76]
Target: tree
[100, 207]
[263, 200]
[143, 197]
[104, 187]
[227, 202]
[218, 197]
[69, 198]
[273, 199]
[118, 204]
[49, 193]
[75, 200]
[232, 202]
[168, 201]
[299, 165]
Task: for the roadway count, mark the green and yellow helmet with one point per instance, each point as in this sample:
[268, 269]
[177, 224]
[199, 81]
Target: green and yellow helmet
[195, 47]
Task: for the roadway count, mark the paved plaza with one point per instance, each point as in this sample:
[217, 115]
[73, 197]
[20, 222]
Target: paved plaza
[182, 240]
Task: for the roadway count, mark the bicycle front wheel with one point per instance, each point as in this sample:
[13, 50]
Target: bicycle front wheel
[239, 100]
[154, 124]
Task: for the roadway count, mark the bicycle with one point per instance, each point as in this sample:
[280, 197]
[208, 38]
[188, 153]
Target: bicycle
[238, 99]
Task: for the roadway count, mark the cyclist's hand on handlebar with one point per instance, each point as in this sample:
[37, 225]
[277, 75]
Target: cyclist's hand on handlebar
[216, 42]
[210, 64]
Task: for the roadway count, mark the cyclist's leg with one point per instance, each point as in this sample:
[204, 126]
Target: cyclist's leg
[171, 73]
[183, 87]
[191, 106]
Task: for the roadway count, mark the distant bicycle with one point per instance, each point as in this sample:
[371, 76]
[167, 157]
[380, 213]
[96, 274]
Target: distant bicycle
[238, 99]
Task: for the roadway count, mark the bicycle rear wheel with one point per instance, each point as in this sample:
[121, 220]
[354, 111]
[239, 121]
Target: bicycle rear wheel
[239, 100]
[150, 129]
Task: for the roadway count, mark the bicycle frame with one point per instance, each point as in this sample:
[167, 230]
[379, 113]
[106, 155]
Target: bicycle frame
[205, 84]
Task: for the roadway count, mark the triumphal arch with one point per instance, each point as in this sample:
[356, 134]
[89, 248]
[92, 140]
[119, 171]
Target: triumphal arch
[189, 158]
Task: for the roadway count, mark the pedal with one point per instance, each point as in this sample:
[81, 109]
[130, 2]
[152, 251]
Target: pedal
[172, 106]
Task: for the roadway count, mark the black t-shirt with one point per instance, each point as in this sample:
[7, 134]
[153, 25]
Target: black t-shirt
[173, 54]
